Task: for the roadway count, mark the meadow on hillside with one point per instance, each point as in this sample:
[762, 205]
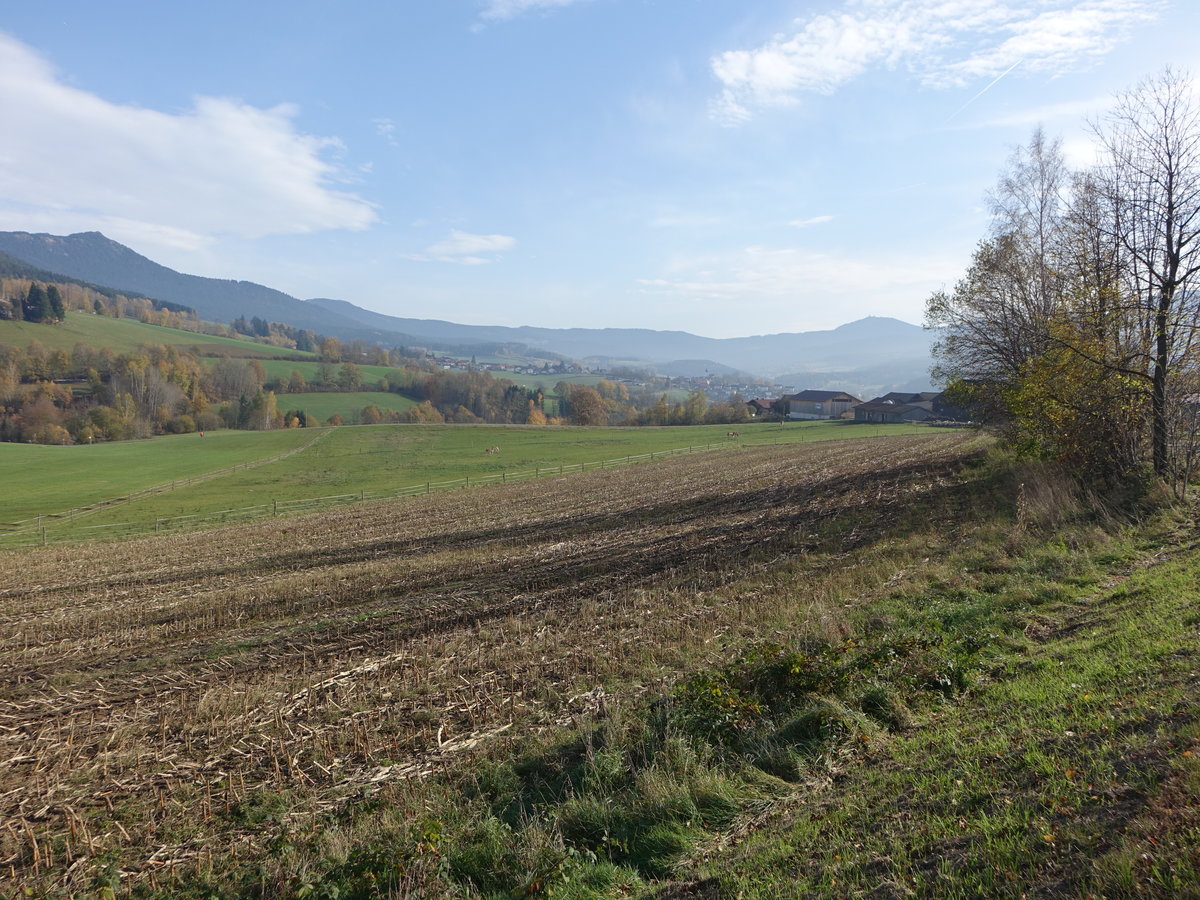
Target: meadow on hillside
[126, 335]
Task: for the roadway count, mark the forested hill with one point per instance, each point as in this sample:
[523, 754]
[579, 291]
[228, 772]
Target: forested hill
[11, 267]
[93, 257]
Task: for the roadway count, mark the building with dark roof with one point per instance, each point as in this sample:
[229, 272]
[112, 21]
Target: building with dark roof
[819, 404]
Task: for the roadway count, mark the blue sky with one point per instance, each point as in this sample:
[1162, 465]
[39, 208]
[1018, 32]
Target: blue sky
[714, 166]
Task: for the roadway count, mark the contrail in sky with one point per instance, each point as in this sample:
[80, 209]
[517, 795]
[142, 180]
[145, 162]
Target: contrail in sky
[984, 91]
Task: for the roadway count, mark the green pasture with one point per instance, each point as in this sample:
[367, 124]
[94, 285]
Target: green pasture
[126, 335]
[46, 480]
[384, 458]
[548, 381]
[350, 405]
[281, 368]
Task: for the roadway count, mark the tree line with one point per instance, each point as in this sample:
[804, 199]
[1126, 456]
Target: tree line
[23, 299]
[1075, 325]
[87, 395]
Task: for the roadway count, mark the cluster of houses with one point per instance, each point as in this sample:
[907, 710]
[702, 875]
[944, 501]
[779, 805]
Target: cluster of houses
[892, 407]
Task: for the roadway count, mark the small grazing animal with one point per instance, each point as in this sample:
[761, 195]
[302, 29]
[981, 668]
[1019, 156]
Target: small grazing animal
[492, 450]
[732, 434]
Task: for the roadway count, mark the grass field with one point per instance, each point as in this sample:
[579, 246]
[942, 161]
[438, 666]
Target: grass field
[547, 382]
[369, 458]
[280, 368]
[868, 667]
[125, 335]
[324, 405]
[1074, 769]
[45, 480]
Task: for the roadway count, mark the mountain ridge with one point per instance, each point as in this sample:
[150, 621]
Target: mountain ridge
[864, 344]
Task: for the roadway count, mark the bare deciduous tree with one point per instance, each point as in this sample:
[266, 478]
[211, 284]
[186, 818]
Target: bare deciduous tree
[1080, 311]
[1150, 182]
[997, 317]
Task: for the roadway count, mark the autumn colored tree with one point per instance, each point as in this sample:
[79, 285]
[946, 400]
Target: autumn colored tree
[1076, 325]
[585, 406]
[331, 350]
[349, 377]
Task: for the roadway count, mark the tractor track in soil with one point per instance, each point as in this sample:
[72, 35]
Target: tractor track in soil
[308, 651]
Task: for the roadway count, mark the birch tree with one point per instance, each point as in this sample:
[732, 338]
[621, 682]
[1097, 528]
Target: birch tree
[1150, 181]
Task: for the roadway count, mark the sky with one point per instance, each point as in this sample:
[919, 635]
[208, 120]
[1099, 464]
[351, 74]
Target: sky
[714, 166]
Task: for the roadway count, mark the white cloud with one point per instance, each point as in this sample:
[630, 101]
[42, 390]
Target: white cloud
[466, 249]
[940, 42]
[815, 220]
[500, 10]
[71, 160]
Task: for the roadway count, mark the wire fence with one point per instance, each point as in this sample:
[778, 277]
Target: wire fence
[64, 528]
[39, 523]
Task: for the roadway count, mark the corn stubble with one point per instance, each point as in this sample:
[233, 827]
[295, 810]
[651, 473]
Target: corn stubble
[163, 698]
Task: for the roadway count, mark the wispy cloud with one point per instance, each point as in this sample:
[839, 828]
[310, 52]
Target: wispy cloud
[806, 223]
[942, 43]
[1073, 111]
[72, 160]
[386, 129]
[795, 286]
[466, 249]
[501, 10]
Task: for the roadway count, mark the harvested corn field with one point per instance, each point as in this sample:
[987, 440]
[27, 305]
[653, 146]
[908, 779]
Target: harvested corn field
[159, 694]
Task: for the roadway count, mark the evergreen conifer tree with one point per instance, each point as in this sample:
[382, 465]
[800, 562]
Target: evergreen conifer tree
[36, 304]
[54, 300]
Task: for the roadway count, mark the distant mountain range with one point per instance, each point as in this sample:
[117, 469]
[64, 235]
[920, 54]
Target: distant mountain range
[881, 350]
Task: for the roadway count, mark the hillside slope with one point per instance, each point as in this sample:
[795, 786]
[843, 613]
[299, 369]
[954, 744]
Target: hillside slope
[95, 258]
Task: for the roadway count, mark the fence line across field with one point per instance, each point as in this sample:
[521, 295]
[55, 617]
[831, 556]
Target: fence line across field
[38, 529]
[81, 511]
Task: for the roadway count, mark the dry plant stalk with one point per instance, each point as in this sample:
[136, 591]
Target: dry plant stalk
[157, 692]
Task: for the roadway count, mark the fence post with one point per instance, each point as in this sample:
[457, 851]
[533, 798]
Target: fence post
[274, 507]
[427, 487]
[157, 522]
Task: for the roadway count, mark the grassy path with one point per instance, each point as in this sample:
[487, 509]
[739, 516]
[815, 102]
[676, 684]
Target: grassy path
[1074, 771]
